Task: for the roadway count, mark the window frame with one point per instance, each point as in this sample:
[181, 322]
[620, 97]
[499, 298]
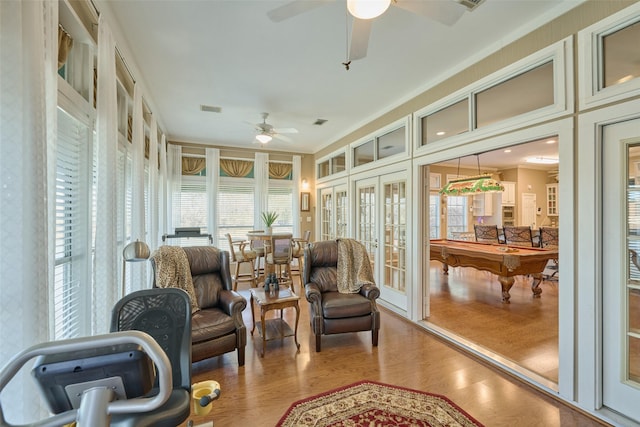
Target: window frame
[375, 136]
[560, 53]
[590, 61]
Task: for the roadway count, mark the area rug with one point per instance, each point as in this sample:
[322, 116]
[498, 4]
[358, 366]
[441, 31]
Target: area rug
[368, 403]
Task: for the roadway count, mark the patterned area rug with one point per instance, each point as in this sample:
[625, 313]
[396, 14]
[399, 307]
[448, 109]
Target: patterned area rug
[368, 403]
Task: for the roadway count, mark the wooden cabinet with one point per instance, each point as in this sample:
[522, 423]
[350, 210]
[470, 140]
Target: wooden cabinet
[483, 204]
[509, 193]
[552, 200]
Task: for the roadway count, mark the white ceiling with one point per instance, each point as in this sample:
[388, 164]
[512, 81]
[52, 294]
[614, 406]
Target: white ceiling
[229, 54]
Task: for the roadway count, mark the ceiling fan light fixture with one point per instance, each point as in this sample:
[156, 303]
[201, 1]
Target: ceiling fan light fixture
[264, 138]
[367, 9]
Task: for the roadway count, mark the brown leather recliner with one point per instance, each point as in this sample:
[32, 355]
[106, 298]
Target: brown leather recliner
[217, 328]
[330, 311]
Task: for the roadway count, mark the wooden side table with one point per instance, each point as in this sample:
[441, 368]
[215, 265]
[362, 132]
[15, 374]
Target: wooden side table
[274, 328]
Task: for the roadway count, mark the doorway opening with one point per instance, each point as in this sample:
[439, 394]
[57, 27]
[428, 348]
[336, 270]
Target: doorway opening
[466, 300]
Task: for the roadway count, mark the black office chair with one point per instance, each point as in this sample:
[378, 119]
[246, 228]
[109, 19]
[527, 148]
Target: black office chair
[165, 314]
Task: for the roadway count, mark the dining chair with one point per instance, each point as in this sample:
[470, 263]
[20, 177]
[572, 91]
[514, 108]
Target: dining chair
[278, 257]
[486, 233]
[297, 253]
[257, 245]
[549, 239]
[241, 253]
[518, 235]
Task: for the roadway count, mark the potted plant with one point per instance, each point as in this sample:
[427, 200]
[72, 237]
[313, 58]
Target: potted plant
[269, 218]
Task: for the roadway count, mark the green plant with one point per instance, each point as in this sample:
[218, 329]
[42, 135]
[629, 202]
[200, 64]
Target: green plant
[269, 218]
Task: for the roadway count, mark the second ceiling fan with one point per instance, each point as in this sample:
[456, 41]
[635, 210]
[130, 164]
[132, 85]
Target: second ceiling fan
[363, 11]
[267, 132]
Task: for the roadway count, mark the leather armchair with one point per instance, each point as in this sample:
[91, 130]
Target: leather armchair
[330, 311]
[217, 328]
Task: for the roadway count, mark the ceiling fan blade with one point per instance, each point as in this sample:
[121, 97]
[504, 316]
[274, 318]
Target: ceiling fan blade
[285, 130]
[360, 33]
[258, 127]
[282, 137]
[444, 11]
[294, 8]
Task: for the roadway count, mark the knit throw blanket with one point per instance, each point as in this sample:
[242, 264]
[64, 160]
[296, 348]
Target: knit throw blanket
[354, 268]
[172, 271]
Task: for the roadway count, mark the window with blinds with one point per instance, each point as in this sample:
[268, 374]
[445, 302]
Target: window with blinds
[456, 215]
[72, 204]
[236, 201]
[193, 202]
[281, 201]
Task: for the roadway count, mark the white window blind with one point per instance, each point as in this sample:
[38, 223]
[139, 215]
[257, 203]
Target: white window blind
[72, 216]
[281, 201]
[193, 200]
[434, 216]
[236, 201]
[456, 215]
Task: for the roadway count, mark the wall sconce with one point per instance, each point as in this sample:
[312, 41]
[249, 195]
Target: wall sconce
[305, 184]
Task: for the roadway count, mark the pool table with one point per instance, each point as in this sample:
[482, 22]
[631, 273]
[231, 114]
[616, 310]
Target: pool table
[502, 260]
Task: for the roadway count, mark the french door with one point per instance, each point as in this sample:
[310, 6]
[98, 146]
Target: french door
[621, 267]
[334, 212]
[381, 224]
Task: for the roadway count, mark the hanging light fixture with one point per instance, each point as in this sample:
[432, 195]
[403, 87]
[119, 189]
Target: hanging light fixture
[367, 9]
[264, 137]
[468, 186]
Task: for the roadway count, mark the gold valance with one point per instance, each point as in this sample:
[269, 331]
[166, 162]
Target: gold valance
[65, 43]
[236, 168]
[193, 165]
[279, 170]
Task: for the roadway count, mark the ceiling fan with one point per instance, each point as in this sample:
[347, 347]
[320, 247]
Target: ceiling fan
[267, 132]
[363, 11]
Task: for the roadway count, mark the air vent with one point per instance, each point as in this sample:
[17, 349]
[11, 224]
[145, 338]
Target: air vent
[471, 4]
[210, 109]
[320, 122]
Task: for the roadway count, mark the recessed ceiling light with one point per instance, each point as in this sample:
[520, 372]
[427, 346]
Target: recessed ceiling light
[551, 141]
[507, 150]
[542, 160]
[440, 133]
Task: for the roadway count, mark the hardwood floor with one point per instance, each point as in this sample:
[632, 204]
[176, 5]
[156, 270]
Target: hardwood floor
[524, 331]
[259, 393]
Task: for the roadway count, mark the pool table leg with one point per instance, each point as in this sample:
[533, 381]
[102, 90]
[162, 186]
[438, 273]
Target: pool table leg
[445, 268]
[507, 283]
[535, 286]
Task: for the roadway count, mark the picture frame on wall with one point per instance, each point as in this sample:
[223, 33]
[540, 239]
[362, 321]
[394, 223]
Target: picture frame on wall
[304, 202]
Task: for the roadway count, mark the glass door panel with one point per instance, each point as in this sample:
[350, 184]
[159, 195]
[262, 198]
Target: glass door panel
[366, 217]
[621, 268]
[342, 212]
[326, 214]
[393, 287]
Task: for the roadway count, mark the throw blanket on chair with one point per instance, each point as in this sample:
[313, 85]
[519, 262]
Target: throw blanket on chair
[173, 271]
[354, 268]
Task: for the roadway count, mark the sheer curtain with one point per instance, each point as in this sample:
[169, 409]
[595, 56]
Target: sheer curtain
[174, 181]
[28, 63]
[107, 257]
[213, 178]
[295, 176]
[153, 185]
[137, 155]
[165, 206]
[138, 231]
[261, 175]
